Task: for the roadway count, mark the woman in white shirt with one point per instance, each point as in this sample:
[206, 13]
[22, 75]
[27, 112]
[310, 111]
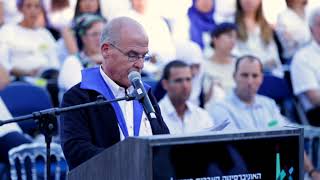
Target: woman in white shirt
[67, 45]
[88, 29]
[220, 65]
[26, 48]
[255, 36]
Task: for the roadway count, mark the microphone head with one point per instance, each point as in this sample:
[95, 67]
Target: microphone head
[133, 75]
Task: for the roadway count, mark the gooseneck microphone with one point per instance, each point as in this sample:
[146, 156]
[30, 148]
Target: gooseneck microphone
[140, 93]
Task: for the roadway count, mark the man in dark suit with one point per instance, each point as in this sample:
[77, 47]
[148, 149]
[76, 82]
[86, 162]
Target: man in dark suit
[87, 132]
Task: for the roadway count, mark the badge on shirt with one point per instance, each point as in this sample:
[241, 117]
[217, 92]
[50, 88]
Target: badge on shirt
[273, 123]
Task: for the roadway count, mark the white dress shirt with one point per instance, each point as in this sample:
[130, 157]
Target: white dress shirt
[195, 119]
[305, 72]
[263, 113]
[27, 49]
[127, 109]
[255, 46]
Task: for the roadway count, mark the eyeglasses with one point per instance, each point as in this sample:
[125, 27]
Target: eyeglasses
[133, 55]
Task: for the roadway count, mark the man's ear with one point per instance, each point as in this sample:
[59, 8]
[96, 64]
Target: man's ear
[164, 84]
[104, 50]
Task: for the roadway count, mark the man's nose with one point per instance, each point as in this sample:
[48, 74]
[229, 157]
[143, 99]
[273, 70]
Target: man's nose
[139, 63]
[186, 83]
[250, 79]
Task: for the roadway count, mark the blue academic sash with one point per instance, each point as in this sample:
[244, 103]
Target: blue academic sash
[92, 80]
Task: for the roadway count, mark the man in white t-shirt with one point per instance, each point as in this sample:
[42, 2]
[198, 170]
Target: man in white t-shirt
[180, 115]
[305, 72]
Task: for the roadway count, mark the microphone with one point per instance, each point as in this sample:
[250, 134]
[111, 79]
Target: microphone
[141, 94]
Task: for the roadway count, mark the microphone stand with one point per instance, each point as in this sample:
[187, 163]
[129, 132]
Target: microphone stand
[47, 121]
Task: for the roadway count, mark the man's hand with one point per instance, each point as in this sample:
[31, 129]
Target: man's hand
[314, 175]
[314, 96]
[4, 77]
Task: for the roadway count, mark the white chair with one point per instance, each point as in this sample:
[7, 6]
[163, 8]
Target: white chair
[33, 152]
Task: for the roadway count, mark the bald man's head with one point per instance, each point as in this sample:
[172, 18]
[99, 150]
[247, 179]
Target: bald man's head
[119, 28]
[124, 44]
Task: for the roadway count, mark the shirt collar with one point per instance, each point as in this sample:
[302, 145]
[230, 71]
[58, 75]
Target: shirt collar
[170, 108]
[117, 90]
[239, 103]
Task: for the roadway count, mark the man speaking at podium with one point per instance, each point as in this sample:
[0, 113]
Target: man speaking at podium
[87, 132]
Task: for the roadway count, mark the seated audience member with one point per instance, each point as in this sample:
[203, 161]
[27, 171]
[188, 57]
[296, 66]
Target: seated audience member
[88, 28]
[305, 71]
[67, 45]
[28, 49]
[255, 36]
[220, 66]
[247, 110]
[178, 113]
[87, 132]
[201, 21]
[85, 7]
[243, 106]
[292, 28]
[190, 53]
[10, 134]
[183, 117]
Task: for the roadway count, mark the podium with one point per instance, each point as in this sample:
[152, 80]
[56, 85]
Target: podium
[267, 154]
